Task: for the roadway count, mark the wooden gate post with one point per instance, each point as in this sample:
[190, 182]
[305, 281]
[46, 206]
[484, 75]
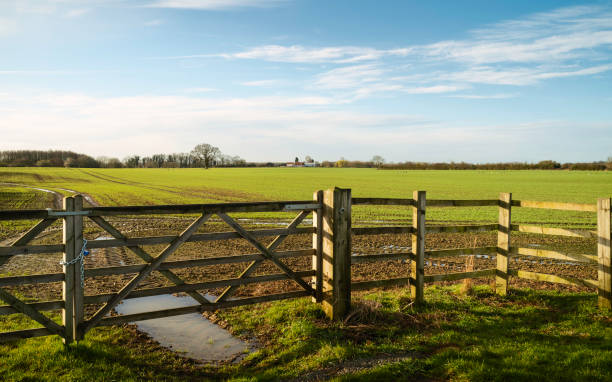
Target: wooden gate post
[503, 243]
[336, 256]
[604, 291]
[317, 245]
[68, 270]
[417, 284]
[78, 289]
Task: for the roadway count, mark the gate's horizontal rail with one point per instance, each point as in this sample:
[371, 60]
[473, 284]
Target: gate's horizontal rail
[153, 240]
[555, 205]
[31, 249]
[40, 306]
[115, 320]
[459, 275]
[101, 298]
[31, 279]
[120, 270]
[461, 228]
[361, 285]
[568, 280]
[554, 231]
[298, 205]
[27, 333]
[553, 255]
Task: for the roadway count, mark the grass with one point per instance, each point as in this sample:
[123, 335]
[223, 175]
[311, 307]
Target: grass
[528, 335]
[172, 186]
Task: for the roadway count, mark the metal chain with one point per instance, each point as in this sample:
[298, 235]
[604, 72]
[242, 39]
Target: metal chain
[81, 257]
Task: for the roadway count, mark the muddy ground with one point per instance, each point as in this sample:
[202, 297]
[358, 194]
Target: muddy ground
[155, 226]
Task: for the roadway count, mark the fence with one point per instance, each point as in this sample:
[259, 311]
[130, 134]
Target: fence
[331, 254]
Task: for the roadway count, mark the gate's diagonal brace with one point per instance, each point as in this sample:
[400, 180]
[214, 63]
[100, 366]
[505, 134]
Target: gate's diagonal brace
[147, 257]
[254, 264]
[173, 246]
[265, 252]
[34, 314]
[28, 236]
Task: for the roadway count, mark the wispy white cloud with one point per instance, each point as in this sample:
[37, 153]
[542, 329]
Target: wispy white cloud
[153, 23]
[199, 90]
[214, 5]
[76, 13]
[567, 42]
[485, 96]
[261, 83]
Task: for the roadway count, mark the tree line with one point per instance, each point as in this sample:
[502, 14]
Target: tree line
[205, 155]
[202, 155]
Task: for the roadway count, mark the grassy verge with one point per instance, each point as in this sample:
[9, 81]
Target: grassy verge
[528, 335]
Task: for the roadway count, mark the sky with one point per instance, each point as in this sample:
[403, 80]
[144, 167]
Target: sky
[269, 80]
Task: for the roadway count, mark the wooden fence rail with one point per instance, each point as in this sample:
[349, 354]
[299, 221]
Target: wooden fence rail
[330, 276]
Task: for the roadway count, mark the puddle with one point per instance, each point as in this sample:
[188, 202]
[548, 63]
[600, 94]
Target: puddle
[190, 334]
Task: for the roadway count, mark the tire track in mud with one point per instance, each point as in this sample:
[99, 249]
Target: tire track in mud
[216, 194]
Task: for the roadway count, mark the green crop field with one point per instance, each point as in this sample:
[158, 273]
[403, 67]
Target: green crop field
[172, 186]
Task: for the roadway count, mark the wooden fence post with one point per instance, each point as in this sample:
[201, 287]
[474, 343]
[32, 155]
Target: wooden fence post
[417, 284]
[317, 245]
[503, 243]
[336, 256]
[68, 284]
[78, 289]
[604, 291]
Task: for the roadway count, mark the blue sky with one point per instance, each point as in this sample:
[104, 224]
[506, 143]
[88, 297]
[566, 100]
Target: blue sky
[269, 80]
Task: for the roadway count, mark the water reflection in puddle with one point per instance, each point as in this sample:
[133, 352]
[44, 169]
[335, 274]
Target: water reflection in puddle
[190, 334]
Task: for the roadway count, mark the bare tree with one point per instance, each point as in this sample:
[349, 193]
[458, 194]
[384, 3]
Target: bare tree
[378, 160]
[205, 153]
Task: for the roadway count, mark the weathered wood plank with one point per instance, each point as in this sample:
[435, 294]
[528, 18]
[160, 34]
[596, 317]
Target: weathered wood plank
[503, 243]
[336, 231]
[553, 255]
[102, 298]
[79, 312]
[31, 279]
[40, 306]
[459, 252]
[205, 209]
[555, 205]
[317, 245]
[23, 214]
[143, 274]
[382, 201]
[604, 254]
[31, 249]
[462, 228]
[381, 257]
[462, 203]
[363, 285]
[125, 269]
[554, 231]
[553, 278]
[68, 284]
[459, 275]
[358, 231]
[417, 267]
[22, 334]
[154, 240]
